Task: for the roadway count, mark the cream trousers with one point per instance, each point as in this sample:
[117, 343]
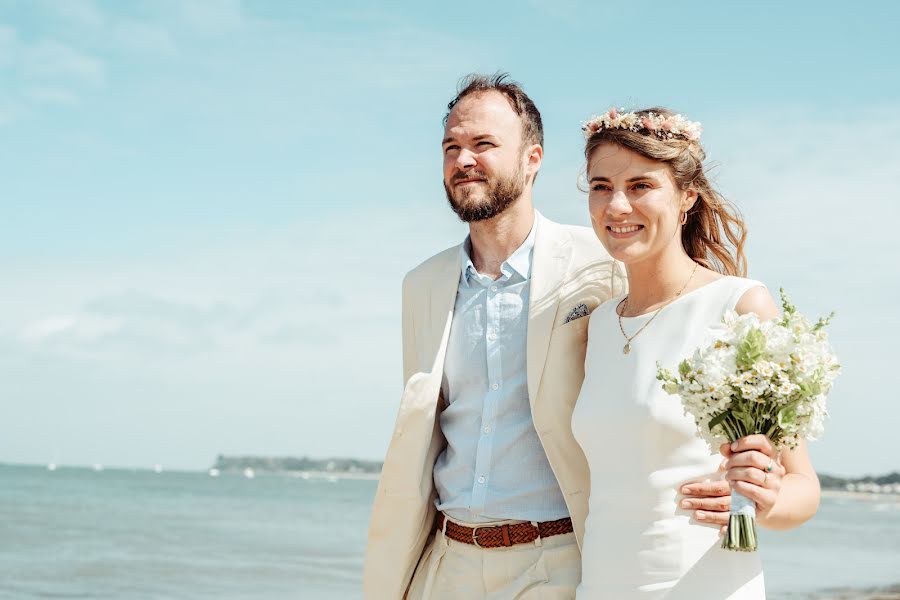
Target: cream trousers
[546, 569]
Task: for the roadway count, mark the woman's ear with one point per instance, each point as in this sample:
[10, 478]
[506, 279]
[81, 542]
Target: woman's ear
[690, 199]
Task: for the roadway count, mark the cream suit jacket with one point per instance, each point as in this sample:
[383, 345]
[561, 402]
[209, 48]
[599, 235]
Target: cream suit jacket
[569, 267]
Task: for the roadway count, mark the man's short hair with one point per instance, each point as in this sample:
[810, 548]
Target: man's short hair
[476, 83]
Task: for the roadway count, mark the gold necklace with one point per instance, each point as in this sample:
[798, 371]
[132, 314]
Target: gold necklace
[627, 348]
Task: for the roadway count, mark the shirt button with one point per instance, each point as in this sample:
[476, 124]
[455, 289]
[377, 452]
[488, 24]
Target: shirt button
[492, 337]
[493, 288]
[487, 429]
[495, 386]
[481, 479]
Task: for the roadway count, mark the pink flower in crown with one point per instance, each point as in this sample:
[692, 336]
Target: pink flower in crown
[647, 124]
[594, 127]
[612, 113]
[694, 131]
[666, 125]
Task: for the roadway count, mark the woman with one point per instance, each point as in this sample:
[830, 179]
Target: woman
[681, 243]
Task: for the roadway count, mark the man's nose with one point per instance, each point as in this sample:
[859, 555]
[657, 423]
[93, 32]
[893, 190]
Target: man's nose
[465, 160]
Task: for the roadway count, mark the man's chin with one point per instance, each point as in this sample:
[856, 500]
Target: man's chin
[473, 213]
[469, 204]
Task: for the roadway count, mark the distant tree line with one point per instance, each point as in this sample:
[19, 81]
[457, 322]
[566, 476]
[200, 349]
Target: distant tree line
[830, 482]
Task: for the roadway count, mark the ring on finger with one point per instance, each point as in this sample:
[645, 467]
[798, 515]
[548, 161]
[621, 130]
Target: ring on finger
[770, 466]
[765, 479]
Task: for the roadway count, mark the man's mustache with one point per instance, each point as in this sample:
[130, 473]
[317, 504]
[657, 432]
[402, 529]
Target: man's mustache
[470, 174]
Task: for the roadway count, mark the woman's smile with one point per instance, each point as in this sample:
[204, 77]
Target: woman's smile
[623, 231]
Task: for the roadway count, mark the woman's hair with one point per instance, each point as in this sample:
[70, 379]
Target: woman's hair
[715, 233]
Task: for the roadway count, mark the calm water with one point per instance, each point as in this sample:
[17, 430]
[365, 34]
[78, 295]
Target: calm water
[76, 533]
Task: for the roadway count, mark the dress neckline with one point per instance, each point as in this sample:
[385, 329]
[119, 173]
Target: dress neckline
[675, 301]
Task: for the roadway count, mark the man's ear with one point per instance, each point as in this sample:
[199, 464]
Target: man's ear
[533, 159]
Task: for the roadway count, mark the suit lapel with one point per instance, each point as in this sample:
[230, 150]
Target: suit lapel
[550, 263]
[441, 305]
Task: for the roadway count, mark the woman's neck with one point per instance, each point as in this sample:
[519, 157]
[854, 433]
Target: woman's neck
[657, 280]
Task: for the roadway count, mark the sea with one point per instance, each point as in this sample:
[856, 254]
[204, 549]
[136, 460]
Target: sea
[122, 534]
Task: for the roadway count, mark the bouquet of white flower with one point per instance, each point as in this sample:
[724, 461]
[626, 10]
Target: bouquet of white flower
[768, 377]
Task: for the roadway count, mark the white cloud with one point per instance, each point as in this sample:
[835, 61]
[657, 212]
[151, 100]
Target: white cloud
[82, 13]
[209, 16]
[807, 188]
[7, 33]
[270, 336]
[55, 60]
[291, 293]
[8, 45]
[51, 95]
[46, 328]
[133, 325]
[566, 11]
[142, 37]
[10, 111]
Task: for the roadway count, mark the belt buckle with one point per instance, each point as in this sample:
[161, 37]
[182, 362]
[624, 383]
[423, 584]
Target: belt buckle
[537, 534]
[475, 537]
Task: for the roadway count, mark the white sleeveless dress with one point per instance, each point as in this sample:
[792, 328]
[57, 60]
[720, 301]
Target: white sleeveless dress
[641, 449]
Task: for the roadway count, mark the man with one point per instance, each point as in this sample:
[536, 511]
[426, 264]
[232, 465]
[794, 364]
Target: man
[484, 489]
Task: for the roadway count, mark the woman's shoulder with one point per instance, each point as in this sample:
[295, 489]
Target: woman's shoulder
[744, 295]
[753, 297]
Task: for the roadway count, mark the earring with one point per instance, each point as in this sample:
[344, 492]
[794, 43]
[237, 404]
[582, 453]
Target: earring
[684, 218]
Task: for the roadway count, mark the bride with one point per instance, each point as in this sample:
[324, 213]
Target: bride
[681, 243]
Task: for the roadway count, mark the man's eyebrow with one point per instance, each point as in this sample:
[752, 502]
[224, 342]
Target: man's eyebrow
[482, 136]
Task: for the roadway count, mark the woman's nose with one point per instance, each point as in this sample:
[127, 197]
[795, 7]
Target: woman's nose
[619, 203]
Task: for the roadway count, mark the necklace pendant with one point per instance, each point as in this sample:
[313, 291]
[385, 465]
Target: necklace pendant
[627, 348]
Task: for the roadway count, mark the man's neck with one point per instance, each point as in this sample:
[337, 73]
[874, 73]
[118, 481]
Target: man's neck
[494, 240]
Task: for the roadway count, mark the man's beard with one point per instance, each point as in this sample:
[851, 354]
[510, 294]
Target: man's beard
[500, 194]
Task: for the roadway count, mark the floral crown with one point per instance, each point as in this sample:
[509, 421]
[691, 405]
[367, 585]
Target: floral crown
[651, 123]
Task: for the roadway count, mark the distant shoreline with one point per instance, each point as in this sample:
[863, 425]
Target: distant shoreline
[328, 474]
[891, 592]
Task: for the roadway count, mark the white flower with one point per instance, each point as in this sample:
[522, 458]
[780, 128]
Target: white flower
[782, 387]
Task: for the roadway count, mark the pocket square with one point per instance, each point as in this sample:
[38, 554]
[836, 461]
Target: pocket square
[576, 313]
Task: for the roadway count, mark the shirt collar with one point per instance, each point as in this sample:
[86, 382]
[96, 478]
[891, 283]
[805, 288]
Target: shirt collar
[518, 262]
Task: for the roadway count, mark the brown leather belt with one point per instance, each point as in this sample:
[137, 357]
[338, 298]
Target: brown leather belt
[503, 536]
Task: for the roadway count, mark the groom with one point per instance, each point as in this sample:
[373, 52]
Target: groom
[484, 490]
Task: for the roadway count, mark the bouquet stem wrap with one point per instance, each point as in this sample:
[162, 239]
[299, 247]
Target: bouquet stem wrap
[741, 532]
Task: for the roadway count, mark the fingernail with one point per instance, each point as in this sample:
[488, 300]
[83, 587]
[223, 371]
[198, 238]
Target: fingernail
[685, 504]
[701, 516]
[685, 490]
[734, 446]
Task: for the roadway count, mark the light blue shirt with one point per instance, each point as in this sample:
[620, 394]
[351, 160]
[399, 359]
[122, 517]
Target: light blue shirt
[494, 466]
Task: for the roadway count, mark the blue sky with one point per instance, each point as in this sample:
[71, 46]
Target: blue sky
[207, 207]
